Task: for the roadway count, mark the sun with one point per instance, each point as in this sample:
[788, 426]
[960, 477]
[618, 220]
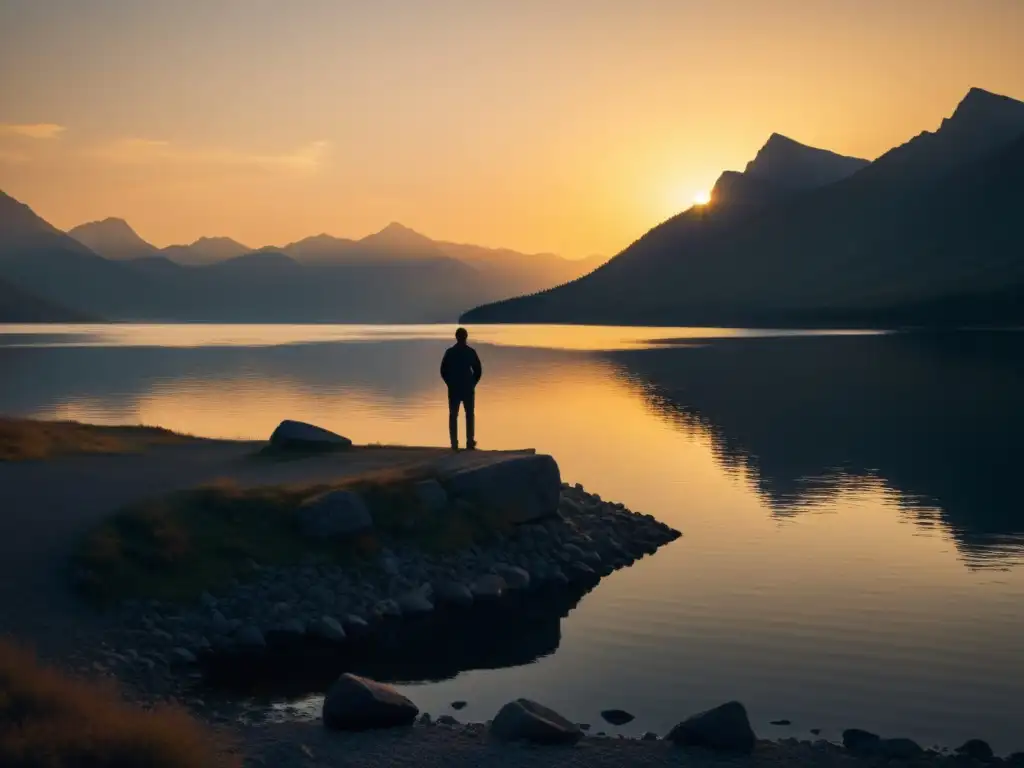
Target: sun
[702, 198]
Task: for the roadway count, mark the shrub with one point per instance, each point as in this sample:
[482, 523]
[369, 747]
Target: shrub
[48, 720]
[28, 439]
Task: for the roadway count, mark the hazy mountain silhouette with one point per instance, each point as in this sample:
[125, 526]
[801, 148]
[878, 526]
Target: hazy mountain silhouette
[112, 238]
[205, 250]
[17, 306]
[804, 418]
[923, 234]
[39, 259]
[396, 275]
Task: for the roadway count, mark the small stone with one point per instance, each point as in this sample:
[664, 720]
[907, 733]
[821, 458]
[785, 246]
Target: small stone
[649, 736]
[415, 603]
[584, 726]
[725, 728]
[525, 720]
[356, 703]
[900, 749]
[250, 637]
[355, 624]
[861, 742]
[454, 593]
[447, 720]
[488, 587]
[386, 608]
[976, 749]
[617, 716]
[781, 722]
[182, 656]
[425, 719]
[515, 578]
[327, 628]
[457, 705]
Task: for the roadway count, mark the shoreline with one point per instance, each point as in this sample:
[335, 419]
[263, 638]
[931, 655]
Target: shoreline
[153, 674]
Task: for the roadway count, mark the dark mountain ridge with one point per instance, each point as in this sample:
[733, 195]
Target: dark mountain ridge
[928, 220]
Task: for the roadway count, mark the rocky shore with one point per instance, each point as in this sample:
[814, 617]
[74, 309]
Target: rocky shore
[557, 542]
[446, 742]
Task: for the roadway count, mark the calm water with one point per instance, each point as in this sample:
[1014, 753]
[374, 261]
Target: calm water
[853, 550]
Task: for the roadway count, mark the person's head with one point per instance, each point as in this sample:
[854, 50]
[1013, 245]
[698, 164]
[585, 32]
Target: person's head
[461, 335]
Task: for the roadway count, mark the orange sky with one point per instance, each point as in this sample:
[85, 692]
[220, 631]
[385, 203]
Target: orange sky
[563, 125]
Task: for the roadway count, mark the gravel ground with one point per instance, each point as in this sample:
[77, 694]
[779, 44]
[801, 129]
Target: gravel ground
[309, 745]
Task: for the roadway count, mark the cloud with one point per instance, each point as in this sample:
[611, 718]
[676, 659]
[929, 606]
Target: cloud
[32, 130]
[138, 151]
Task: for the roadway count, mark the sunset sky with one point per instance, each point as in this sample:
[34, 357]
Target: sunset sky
[542, 125]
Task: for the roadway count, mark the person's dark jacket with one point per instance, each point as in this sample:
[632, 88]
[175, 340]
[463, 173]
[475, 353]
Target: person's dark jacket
[461, 369]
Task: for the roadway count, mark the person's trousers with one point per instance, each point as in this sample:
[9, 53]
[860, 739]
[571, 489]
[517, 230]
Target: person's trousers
[466, 400]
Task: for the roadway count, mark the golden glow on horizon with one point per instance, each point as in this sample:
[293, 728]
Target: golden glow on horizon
[702, 198]
[516, 125]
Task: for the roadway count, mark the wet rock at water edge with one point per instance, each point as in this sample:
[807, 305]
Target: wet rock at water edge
[781, 722]
[725, 729]
[861, 742]
[976, 749]
[649, 736]
[525, 720]
[356, 704]
[292, 435]
[334, 514]
[447, 720]
[617, 716]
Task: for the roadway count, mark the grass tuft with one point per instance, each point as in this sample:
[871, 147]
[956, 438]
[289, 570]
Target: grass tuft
[174, 547]
[32, 440]
[48, 720]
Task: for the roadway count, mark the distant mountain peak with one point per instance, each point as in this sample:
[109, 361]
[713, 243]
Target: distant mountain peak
[983, 110]
[113, 238]
[787, 162]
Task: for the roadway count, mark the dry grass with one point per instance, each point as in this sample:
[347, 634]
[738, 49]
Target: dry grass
[28, 439]
[48, 720]
[175, 547]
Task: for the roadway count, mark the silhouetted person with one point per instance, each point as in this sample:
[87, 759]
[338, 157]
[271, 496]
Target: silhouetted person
[461, 371]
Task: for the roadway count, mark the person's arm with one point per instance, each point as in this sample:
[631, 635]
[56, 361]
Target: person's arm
[445, 364]
[478, 368]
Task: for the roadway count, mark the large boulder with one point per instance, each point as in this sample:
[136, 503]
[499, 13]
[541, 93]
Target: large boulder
[519, 488]
[334, 514]
[723, 729]
[431, 496]
[300, 435]
[358, 704]
[525, 720]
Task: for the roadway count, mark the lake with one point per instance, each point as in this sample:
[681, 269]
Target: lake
[853, 531]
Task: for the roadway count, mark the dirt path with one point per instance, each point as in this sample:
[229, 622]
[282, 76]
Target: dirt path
[46, 506]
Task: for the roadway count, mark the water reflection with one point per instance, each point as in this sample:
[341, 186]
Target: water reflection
[936, 418]
[829, 491]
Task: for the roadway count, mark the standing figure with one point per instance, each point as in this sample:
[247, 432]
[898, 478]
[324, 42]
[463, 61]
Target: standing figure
[461, 371]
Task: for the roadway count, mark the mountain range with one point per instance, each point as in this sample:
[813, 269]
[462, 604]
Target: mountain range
[104, 268]
[930, 232]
